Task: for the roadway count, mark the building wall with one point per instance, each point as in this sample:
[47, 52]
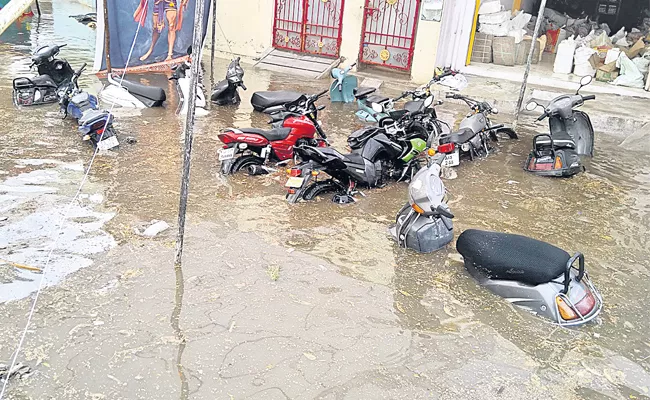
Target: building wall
[248, 26]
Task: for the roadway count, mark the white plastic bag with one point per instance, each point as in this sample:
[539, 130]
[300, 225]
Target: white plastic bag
[490, 7]
[618, 35]
[455, 82]
[630, 75]
[612, 55]
[622, 43]
[495, 30]
[564, 57]
[643, 64]
[520, 20]
[496, 18]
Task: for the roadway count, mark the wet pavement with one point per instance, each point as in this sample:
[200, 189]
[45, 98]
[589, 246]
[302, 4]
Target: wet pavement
[306, 301]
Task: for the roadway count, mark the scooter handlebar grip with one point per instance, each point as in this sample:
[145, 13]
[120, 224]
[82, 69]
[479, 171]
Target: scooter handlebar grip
[322, 93]
[590, 97]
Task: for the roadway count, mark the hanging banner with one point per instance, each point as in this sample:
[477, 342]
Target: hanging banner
[165, 32]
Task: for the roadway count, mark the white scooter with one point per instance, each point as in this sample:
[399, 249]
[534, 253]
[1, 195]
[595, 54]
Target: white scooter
[131, 95]
[182, 76]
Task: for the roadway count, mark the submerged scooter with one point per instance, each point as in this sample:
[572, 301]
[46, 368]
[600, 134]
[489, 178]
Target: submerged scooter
[531, 274]
[95, 125]
[425, 224]
[182, 75]
[343, 87]
[53, 76]
[557, 154]
[225, 92]
[131, 94]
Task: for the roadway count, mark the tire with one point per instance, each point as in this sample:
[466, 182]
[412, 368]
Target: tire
[319, 188]
[507, 132]
[244, 162]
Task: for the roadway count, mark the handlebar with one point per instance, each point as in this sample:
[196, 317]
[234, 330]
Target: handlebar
[63, 45]
[444, 212]
[81, 69]
[590, 97]
[320, 108]
[353, 65]
[541, 117]
[317, 96]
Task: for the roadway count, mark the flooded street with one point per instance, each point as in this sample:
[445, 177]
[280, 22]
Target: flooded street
[312, 300]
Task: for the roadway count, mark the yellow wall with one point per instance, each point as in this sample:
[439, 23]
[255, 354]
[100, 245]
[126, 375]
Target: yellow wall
[248, 25]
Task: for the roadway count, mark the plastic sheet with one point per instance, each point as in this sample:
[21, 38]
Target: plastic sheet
[630, 75]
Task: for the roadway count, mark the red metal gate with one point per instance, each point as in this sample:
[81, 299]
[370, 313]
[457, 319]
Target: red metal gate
[388, 37]
[308, 26]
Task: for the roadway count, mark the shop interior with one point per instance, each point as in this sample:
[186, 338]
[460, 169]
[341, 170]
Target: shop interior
[603, 38]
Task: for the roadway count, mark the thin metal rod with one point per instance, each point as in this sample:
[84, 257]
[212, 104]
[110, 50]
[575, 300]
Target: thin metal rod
[189, 128]
[214, 39]
[107, 39]
[38, 8]
[522, 92]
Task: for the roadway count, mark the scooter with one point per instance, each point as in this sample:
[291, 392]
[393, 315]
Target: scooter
[53, 76]
[474, 133]
[253, 149]
[270, 102]
[384, 155]
[531, 274]
[94, 124]
[131, 94]
[181, 74]
[225, 92]
[425, 224]
[343, 86]
[557, 154]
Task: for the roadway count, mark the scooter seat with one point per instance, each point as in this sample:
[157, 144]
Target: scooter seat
[377, 98]
[462, 136]
[44, 80]
[561, 139]
[91, 116]
[272, 135]
[413, 106]
[503, 256]
[151, 96]
[263, 100]
[362, 92]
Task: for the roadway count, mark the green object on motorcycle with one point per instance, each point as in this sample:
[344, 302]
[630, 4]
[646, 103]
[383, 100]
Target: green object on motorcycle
[417, 146]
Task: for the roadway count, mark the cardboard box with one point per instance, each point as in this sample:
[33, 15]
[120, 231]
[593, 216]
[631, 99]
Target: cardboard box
[603, 76]
[482, 50]
[504, 50]
[636, 49]
[611, 67]
[594, 60]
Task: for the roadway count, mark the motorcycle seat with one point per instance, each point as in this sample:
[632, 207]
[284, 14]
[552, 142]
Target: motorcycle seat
[350, 158]
[503, 256]
[150, 92]
[377, 98]
[362, 92]
[460, 137]
[91, 116]
[561, 139]
[272, 135]
[264, 100]
[413, 106]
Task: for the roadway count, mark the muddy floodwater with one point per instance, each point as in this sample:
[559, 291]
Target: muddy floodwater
[278, 301]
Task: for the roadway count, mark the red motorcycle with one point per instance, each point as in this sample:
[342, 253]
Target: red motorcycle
[254, 149]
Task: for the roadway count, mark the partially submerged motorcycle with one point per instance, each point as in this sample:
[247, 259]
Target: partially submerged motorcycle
[182, 75]
[343, 86]
[95, 125]
[131, 94]
[270, 102]
[474, 133]
[225, 92]
[53, 76]
[531, 274]
[250, 148]
[557, 154]
[425, 224]
[380, 155]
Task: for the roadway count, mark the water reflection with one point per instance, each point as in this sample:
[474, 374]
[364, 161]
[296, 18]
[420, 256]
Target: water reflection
[180, 336]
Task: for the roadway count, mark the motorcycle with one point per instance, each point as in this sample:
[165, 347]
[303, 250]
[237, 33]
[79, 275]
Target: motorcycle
[343, 87]
[254, 148]
[270, 102]
[131, 94]
[181, 74]
[425, 224]
[384, 154]
[53, 76]
[94, 124]
[531, 274]
[225, 92]
[557, 154]
[474, 133]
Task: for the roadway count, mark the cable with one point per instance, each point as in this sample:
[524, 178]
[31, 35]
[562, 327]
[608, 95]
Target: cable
[62, 220]
[224, 36]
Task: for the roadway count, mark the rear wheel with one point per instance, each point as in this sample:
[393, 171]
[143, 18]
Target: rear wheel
[319, 188]
[244, 162]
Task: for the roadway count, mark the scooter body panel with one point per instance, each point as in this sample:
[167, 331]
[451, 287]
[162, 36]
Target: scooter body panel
[342, 88]
[225, 93]
[579, 127]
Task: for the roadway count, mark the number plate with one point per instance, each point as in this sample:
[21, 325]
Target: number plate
[227, 154]
[452, 160]
[295, 182]
[108, 143]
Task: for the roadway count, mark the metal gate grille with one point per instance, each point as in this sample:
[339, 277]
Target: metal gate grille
[309, 26]
[388, 37]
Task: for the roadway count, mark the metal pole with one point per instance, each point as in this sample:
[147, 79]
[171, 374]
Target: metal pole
[38, 9]
[107, 39]
[189, 128]
[214, 37]
[522, 92]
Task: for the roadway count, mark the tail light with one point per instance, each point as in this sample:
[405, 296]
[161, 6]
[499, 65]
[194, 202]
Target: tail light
[294, 172]
[447, 148]
[587, 304]
[579, 303]
[558, 163]
[225, 138]
[566, 312]
[291, 191]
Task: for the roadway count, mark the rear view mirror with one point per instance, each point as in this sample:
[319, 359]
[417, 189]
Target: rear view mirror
[428, 101]
[377, 108]
[531, 106]
[587, 79]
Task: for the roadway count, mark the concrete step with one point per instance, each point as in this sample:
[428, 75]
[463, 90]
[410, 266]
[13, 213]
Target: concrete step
[300, 64]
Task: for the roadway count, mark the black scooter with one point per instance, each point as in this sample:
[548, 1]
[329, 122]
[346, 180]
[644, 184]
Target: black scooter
[225, 92]
[557, 154]
[53, 77]
[271, 102]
